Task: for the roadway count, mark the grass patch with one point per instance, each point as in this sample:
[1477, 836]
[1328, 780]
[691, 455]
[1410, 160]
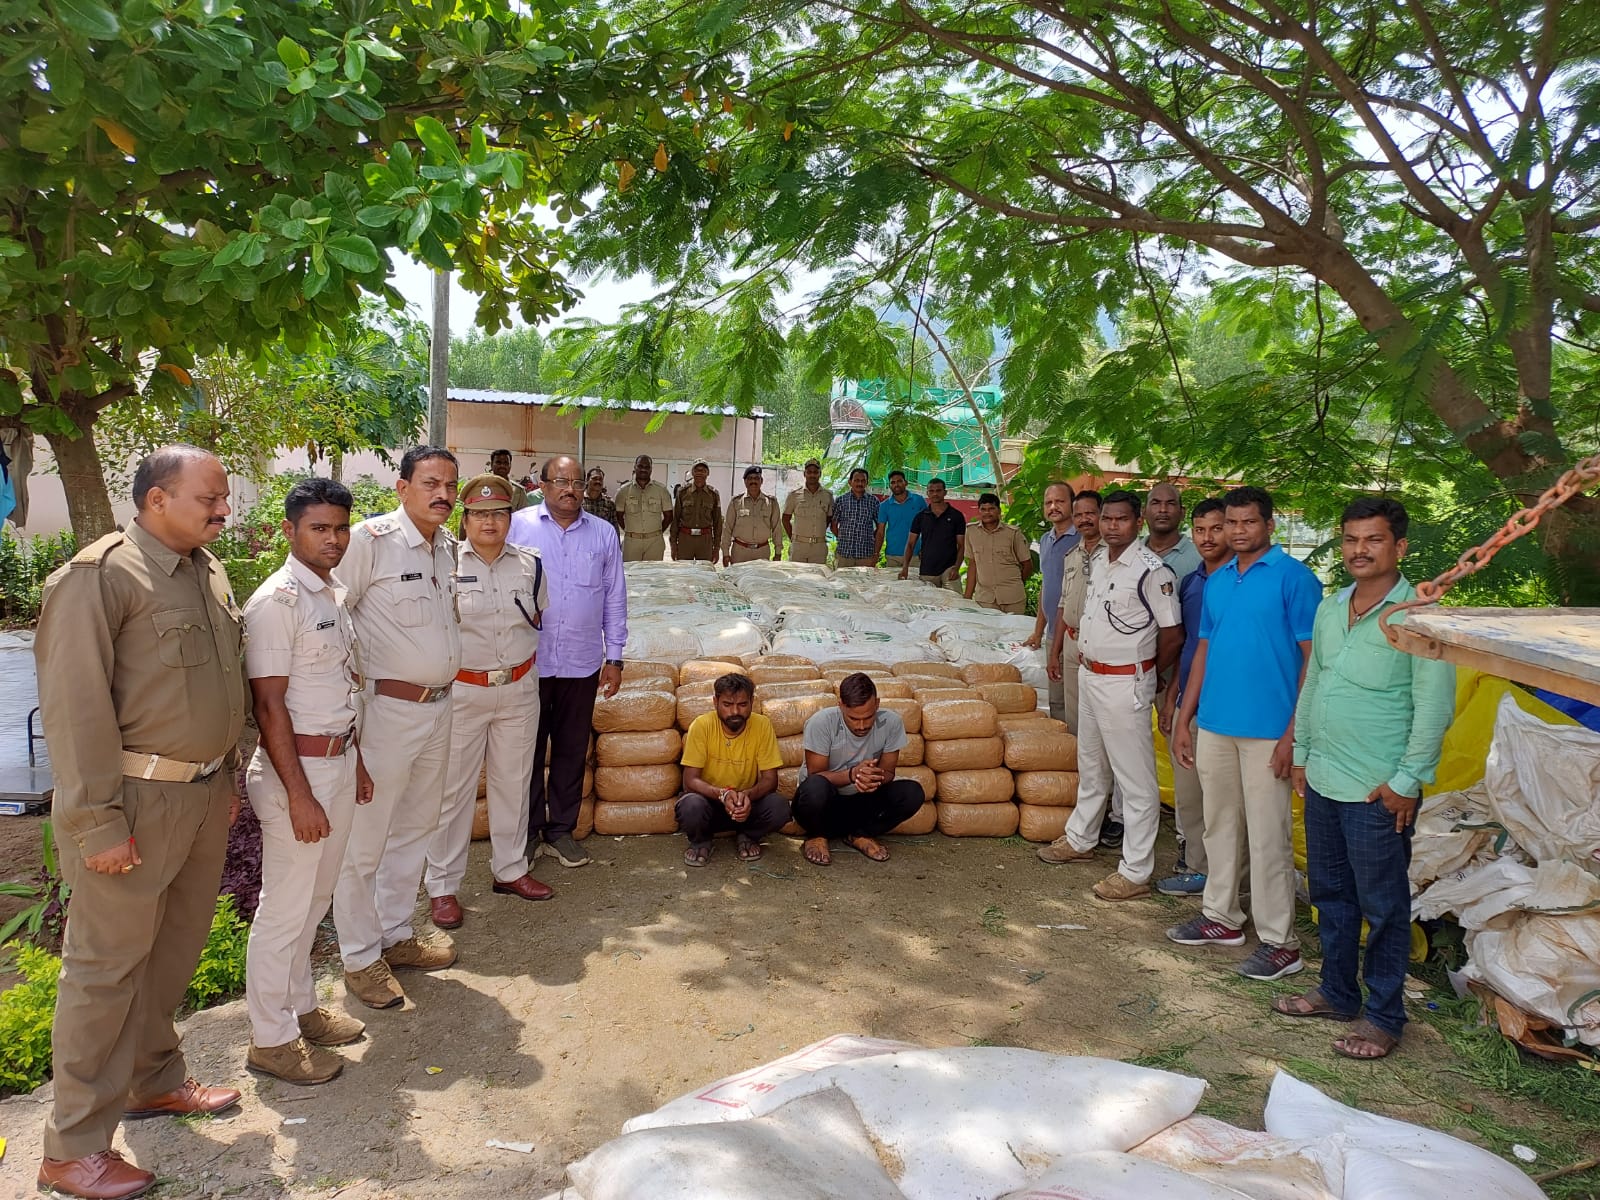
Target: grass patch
[993, 919]
[1168, 1058]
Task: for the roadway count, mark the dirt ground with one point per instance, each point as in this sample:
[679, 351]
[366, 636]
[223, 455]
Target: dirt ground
[643, 979]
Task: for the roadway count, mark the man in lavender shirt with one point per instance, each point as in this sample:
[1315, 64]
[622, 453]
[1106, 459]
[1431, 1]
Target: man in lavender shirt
[580, 648]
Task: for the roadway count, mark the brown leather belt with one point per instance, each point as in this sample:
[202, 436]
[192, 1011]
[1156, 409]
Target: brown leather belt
[1120, 668]
[652, 533]
[399, 689]
[499, 677]
[167, 770]
[748, 545]
[324, 745]
[810, 540]
[695, 531]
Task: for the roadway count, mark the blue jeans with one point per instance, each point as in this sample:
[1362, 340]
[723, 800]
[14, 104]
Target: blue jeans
[1357, 866]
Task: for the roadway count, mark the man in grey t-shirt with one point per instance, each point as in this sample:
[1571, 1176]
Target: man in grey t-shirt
[847, 785]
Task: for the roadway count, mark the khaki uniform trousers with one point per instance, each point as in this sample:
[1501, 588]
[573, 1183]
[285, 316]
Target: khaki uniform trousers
[1246, 804]
[1013, 606]
[689, 549]
[1069, 681]
[739, 554]
[406, 746]
[497, 726]
[941, 581]
[1116, 745]
[1058, 695]
[297, 882]
[649, 547]
[1188, 812]
[131, 947]
[808, 551]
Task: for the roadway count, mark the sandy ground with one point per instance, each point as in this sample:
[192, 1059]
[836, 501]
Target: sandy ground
[644, 979]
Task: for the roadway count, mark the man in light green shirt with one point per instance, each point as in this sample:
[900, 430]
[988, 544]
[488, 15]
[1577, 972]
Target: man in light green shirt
[1367, 733]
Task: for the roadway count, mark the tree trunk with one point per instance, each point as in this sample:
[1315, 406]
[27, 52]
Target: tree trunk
[1570, 535]
[336, 465]
[88, 503]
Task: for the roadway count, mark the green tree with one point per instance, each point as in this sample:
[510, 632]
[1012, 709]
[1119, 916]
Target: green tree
[1428, 170]
[507, 361]
[183, 179]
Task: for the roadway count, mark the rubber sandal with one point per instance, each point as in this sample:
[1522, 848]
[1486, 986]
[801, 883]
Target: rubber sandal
[854, 844]
[1364, 1030]
[1319, 1007]
[697, 856]
[750, 850]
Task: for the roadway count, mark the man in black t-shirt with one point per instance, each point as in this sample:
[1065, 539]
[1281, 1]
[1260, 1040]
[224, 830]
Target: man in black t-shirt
[943, 531]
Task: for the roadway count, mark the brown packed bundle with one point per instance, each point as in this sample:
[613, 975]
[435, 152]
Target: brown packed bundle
[929, 781]
[637, 785]
[700, 687]
[1041, 746]
[948, 670]
[991, 786]
[1038, 823]
[912, 752]
[648, 683]
[787, 691]
[776, 660]
[933, 695]
[585, 825]
[638, 749]
[975, 673]
[1010, 697]
[649, 666]
[910, 712]
[921, 821]
[634, 711]
[480, 819]
[977, 820]
[776, 674]
[709, 668]
[1010, 721]
[835, 675]
[483, 781]
[894, 689]
[588, 780]
[958, 719]
[616, 818]
[789, 716]
[849, 666]
[692, 704]
[788, 781]
[1048, 789]
[963, 754]
[792, 829]
[793, 749]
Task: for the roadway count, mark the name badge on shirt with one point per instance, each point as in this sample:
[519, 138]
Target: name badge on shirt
[407, 578]
[464, 578]
[321, 625]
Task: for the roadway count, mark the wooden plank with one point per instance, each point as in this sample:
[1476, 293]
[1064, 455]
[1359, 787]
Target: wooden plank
[1554, 648]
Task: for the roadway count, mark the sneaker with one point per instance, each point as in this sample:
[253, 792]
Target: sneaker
[1117, 886]
[329, 1027]
[431, 954]
[1110, 834]
[566, 851]
[375, 986]
[1271, 962]
[1184, 883]
[1063, 851]
[1202, 931]
[295, 1062]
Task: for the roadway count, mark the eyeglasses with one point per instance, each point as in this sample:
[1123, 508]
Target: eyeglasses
[562, 484]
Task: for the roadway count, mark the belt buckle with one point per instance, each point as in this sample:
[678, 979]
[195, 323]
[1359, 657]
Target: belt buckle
[438, 693]
[500, 676]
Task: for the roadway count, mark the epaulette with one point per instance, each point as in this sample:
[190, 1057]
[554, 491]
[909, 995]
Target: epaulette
[1150, 558]
[287, 592]
[378, 526]
[95, 552]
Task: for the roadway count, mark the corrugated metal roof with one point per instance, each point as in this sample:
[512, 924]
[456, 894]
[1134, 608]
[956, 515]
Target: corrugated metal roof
[546, 400]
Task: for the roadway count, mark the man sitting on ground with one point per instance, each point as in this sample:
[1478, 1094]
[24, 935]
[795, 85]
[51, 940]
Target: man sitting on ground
[847, 785]
[730, 774]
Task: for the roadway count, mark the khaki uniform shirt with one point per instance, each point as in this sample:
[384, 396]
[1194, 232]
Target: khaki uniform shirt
[1117, 628]
[809, 513]
[698, 509]
[138, 649]
[402, 598]
[1074, 586]
[519, 496]
[494, 633]
[641, 509]
[997, 559]
[753, 522]
[297, 626]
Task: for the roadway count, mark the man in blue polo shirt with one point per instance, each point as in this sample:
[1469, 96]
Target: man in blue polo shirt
[1054, 544]
[895, 514]
[1255, 637]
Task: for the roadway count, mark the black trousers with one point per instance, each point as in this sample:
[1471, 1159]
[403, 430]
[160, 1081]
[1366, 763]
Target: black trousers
[823, 812]
[566, 709]
[700, 817]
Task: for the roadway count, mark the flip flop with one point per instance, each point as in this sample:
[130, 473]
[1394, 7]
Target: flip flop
[697, 856]
[826, 859]
[749, 849]
[1365, 1031]
[1316, 1006]
[855, 844]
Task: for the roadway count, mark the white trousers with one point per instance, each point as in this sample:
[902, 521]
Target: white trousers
[297, 882]
[1249, 827]
[1116, 745]
[497, 724]
[405, 746]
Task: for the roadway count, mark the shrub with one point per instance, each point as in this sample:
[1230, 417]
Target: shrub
[241, 870]
[220, 972]
[41, 921]
[27, 1012]
[24, 566]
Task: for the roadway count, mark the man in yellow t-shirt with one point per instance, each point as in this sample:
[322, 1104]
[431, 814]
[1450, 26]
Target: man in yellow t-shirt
[730, 774]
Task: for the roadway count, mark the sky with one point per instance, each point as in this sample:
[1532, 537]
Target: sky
[602, 301]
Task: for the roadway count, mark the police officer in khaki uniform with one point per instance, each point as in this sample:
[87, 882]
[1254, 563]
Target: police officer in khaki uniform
[503, 594]
[752, 528]
[697, 519]
[998, 560]
[645, 509]
[398, 572]
[142, 691]
[1132, 633]
[305, 781]
[806, 516]
[500, 464]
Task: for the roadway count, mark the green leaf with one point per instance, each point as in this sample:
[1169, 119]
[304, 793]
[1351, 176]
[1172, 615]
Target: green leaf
[376, 216]
[354, 253]
[437, 139]
[421, 216]
[140, 85]
[316, 279]
[88, 19]
[64, 76]
[292, 54]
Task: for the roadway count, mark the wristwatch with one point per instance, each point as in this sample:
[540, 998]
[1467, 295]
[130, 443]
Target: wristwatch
[614, 662]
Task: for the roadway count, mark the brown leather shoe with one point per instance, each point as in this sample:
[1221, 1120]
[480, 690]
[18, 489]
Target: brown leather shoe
[446, 912]
[330, 1027]
[527, 887]
[103, 1176]
[192, 1099]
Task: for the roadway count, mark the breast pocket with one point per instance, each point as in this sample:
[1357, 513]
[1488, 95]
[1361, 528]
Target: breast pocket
[321, 652]
[590, 570]
[471, 596]
[412, 608]
[183, 639]
[1375, 668]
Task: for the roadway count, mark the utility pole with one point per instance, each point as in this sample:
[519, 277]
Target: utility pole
[439, 361]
